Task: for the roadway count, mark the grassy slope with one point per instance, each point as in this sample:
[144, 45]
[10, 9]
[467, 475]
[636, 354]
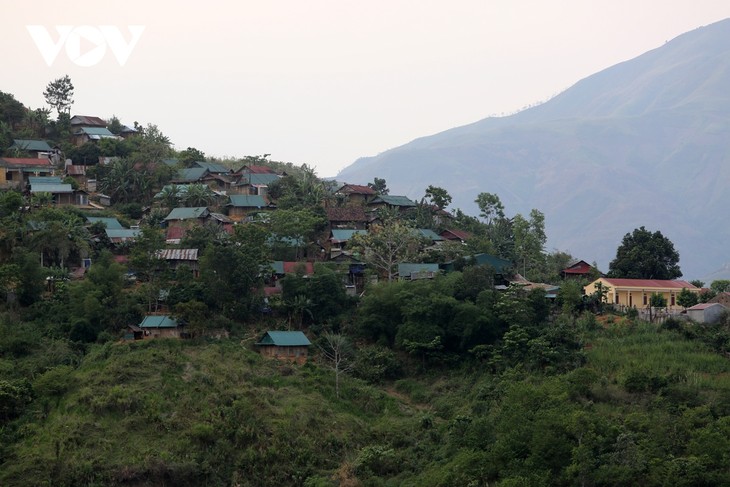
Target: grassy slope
[180, 413]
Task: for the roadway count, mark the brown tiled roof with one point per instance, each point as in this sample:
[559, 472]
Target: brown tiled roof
[86, 120]
[347, 214]
[455, 234]
[256, 170]
[13, 162]
[76, 170]
[356, 189]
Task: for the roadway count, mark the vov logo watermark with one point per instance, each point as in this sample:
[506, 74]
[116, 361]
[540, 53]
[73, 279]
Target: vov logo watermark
[86, 45]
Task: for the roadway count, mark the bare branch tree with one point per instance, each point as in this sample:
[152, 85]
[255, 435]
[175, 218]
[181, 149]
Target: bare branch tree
[337, 352]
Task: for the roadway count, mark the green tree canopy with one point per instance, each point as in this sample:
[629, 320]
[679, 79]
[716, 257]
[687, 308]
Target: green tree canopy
[59, 94]
[645, 255]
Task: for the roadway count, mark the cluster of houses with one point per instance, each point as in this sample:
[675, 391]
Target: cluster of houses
[243, 196]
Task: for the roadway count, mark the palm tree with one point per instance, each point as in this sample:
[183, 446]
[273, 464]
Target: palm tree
[170, 196]
[198, 195]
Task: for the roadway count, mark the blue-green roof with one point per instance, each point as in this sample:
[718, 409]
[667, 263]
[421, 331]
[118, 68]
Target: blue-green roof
[44, 179]
[170, 162]
[190, 173]
[110, 223]
[188, 213]
[284, 339]
[97, 131]
[158, 322]
[28, 144]
[430, 234]
[258, 179]
[247, 201]
[498, 264]
[212, 167]
[51, 188]
[344, 234]
[393, 200]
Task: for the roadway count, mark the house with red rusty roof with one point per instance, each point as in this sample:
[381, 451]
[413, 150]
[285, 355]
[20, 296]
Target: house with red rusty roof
[15, 171]
[637, 292]
[577, 269]
[356, 194]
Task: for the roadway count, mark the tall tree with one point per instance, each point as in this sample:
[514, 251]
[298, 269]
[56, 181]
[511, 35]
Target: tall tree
[438, 197]
[384, 246]
[645, 255]
[490, 207]
[530, 240]
[379, 185]
[59, 94]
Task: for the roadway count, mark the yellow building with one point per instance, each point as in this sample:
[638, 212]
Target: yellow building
[637, 292]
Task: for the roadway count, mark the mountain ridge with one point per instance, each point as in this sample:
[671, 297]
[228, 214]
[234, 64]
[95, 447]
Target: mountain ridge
[615, 151]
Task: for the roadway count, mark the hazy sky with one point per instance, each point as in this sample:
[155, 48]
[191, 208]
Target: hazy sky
[324, 82]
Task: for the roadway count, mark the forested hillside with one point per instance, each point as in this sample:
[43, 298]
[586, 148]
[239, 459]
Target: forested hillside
[446, 349]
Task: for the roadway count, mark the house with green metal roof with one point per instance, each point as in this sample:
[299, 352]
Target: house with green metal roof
[31, 146]
[44, 180]
[61, 193]
[160, 326]
[190, 175]
[121, 235]
[429, 235]
[110, 223]
[192, 213]
[212, 167]
[243, 204]
[254, 183]
[402, 203]
[92, 134]
[291, 346]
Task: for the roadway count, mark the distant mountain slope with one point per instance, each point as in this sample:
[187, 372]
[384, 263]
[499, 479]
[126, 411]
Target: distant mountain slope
[645, 142]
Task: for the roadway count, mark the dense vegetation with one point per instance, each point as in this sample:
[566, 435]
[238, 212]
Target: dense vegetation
[569, 402]
[447, 381]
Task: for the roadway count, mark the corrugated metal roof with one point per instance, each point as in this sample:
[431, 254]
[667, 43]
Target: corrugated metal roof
[191, 174]
[212, 167]
[28, 144]
[111, 223]
[430, 234]
[343, 235]
[648, 283]
[393, 200]
[87, 120]
[97, 131]
[255, 170]
[158, 321]
[285, 339]
[51, 188]
[76, 170]
[356, 189]
[247, 201]
[178, 254]
[44, 180]
[22, 162]
[187, 213]
[702, 306]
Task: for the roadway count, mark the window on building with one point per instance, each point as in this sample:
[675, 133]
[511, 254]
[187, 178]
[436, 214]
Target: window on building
[645, 300]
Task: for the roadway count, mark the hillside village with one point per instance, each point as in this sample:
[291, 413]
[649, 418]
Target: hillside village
[414, 344]
[112, 181]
